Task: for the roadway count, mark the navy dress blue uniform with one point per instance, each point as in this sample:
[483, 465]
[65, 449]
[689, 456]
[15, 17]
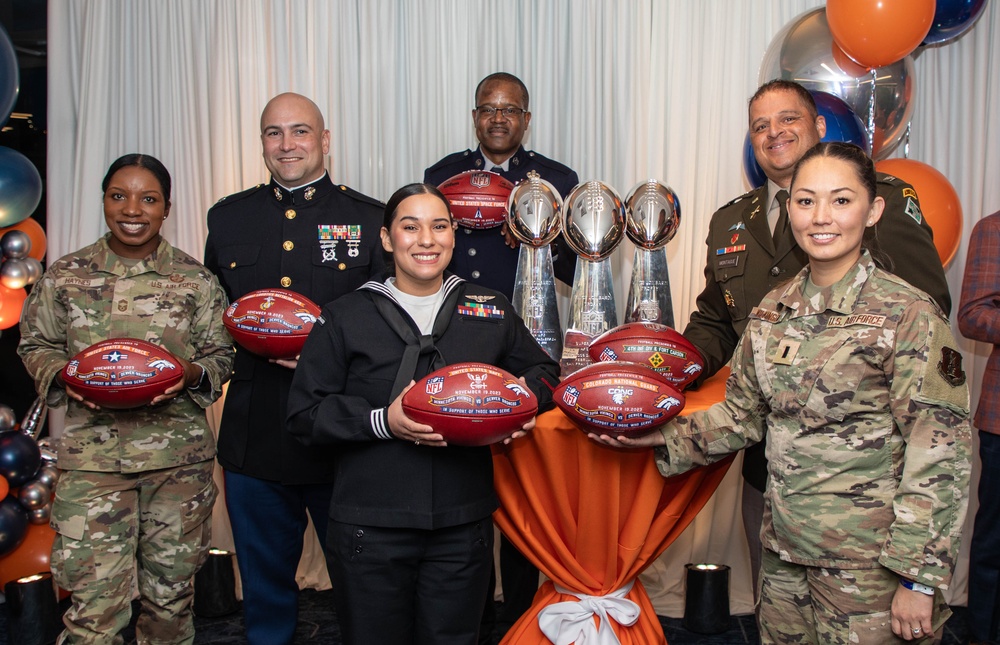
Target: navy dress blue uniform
[410, 529]
[320, 240]
[482, 256]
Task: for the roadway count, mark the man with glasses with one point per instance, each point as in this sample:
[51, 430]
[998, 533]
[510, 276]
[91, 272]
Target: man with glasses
[489, 257]
[500, 117]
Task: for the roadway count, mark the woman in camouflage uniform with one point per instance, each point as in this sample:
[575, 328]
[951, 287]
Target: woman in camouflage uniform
[854, 375]
[136, 488]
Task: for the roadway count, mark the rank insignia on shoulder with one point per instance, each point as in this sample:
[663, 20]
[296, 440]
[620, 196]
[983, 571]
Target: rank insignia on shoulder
[479, 310]
[951, 367]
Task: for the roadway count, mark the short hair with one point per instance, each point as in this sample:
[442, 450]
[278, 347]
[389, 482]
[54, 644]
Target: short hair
[857, 158]
[783, 85]
[137, 160]
[502, 77]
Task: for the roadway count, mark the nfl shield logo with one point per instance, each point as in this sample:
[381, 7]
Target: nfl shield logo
[480, 180]
[434, 385]
[608, 355]
[570, 395]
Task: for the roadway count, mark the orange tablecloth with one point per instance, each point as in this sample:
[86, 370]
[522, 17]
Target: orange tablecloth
[592, 517]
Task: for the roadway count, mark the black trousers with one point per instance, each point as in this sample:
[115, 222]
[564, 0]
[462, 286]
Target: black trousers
[401, 585]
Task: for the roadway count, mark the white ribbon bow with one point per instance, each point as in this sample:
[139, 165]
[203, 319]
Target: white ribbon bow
[572, 621]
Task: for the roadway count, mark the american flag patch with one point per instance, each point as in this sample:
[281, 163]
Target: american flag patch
[480, 310]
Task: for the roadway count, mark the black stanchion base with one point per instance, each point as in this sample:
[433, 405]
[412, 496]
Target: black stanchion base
[706, 600]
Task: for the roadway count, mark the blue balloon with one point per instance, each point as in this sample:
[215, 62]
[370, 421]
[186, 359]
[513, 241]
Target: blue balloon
[20, 457]
[8, 76]
[952, 18]
[13, 524]
[842, 124]
[20, 187]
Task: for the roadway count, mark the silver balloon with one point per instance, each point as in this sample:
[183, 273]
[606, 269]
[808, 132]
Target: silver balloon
[14, 273]
[48, 474]
[15, 244]
[34, 495]
[533, 211]
[40, 515]
[35, 270]
[654, 213]
[804, 52]
[48, 451]
[593, 220]
[7, 418]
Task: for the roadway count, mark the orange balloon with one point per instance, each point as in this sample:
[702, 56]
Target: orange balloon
[35, 232]
[938, 201]
[31, 556]
[11, 303]
[4, 487]
[879, 33]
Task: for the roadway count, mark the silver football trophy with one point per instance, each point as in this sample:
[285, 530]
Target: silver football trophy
[533, 218]
[593, 221]
[654, 213]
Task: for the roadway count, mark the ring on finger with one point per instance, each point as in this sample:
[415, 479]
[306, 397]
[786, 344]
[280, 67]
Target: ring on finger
[916, 630]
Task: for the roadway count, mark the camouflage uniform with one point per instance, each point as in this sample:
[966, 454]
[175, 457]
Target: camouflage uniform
[867, 413]
[137, 484]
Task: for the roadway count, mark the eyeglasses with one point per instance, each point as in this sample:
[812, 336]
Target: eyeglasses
[488, 111]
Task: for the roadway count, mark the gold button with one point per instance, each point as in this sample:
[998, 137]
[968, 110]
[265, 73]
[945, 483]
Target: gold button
[286, 281]
[341, 266]
[288, 245]
[290, 214]
[232, 265]
[343, 187]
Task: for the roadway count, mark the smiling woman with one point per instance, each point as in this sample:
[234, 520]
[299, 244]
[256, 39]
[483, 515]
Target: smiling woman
[136, 201]
[431, 519]
[136, 488]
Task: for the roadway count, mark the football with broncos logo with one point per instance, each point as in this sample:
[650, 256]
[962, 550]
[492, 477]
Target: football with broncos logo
[478, 198]
[471, 404]
[122, 373]
[272, 323]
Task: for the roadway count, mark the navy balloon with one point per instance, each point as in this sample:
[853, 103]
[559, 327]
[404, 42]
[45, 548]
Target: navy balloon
[8, 76]
[952, 18]
[20, 457]
[842, 124]
[13, 524]
[20, 187]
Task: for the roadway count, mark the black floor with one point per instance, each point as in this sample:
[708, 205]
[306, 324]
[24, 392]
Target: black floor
[318, 626]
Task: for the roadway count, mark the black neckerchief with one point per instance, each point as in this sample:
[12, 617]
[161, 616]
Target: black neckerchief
[417, 347]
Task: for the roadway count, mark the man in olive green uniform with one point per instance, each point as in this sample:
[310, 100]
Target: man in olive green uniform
[751, 250]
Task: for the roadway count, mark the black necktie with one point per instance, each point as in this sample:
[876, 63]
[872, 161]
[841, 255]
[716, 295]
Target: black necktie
[779, 226]
[496, 169]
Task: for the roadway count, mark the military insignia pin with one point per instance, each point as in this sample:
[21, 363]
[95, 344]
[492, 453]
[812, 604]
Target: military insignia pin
[951, 367]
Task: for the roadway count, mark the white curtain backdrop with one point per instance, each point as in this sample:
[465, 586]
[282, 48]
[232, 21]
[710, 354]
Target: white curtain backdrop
[621, 91]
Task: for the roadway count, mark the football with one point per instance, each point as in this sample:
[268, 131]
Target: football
[272, 323]
[658, 347]
[122, 373]
[471, 404]
[617, 398]
[478, 198]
